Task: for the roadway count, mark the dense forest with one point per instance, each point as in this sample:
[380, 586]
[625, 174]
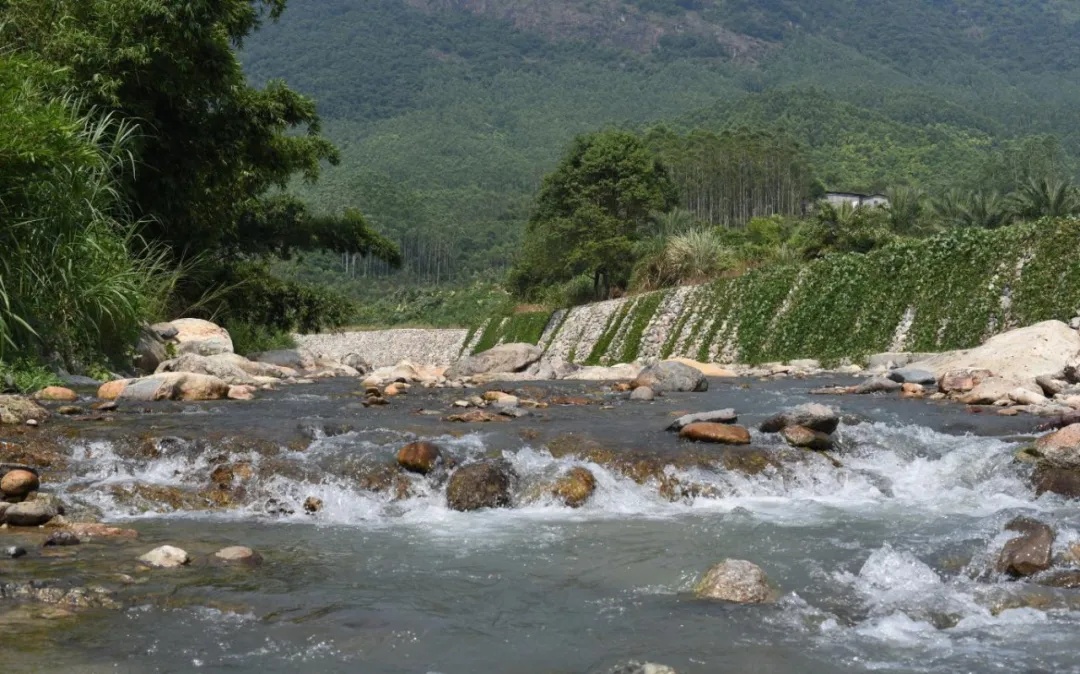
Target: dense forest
[449, 113]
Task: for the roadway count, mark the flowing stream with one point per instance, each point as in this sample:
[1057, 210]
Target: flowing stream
[883, 564]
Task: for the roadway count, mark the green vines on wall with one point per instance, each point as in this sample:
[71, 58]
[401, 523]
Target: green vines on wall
[642, 313]
[961, 287]
[525, 327]
[611, 329]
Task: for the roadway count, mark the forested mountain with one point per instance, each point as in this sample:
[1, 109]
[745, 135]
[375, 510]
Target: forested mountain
[448, 112]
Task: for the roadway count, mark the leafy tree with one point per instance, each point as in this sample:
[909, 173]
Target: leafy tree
[1045, 197]
[213, 153]
[590, 212]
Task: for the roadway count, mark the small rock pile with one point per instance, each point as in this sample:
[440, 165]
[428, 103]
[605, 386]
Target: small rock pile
[23, 505]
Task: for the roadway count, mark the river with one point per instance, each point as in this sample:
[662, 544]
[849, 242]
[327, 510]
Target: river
[881, 563]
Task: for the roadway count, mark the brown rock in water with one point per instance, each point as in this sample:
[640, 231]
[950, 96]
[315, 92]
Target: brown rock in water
[705, 431]
[801, 436]
[419, 457]
[1028, 553]
[484, 484]
[18, 483]
[312, 504]
[238, 554]
[475, 417]
[57, 394]
[393, 390]
[737, 581]
[962, 381]
[912, 391]
[111, 390]
[1062, 481]
[1061, 448]
[30, 513]
[222, 476]
[575, 488]
[241, 392]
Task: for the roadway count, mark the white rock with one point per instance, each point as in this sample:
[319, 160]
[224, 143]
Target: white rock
[1023, 396]
[194, 335]
[166, 557]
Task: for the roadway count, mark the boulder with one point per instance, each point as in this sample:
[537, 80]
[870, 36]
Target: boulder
[501, 358]
[1061, 448]
[164, 331]
[294, 359]
[801, 436]
[724, 416]
[1030, 552]
[111, 390]
[356, 362]
[669, 376]
[1023, 396]
[165, 557]
[313, 504]
[484, 484]
[642, 393]
[877, 385]
[20, 410]
[912, 391]
[912, 375]
[735, 580]
[241, 392]
[56, 394]
[238, 554]
[815, 416]
[419, 457]
[150, 351]
[194, 335]
[989, 391]
[725, 434]
[30, 513]
[962, 381]
[228, 367]
[552, 367]
[1021, 355]
[1051, 386]
[1062, 481]
[574, 488]
[19, 482]
[170, 386]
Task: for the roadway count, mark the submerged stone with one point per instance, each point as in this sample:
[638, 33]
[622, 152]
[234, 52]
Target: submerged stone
[1028, 553]
[737, 581]
[484, 484]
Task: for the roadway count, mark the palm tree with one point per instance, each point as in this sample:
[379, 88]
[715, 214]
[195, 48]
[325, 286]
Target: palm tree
[984, 210]
[674, 222]
[907, 206]
[1045, 197]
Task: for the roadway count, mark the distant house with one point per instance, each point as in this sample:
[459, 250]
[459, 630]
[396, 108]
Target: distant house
[854, 199]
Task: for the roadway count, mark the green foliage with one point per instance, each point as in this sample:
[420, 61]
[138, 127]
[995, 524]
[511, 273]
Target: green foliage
[590, 212]
[25, 376]
[692, 257]
[249, 338]
[843, 229]
[76, 280]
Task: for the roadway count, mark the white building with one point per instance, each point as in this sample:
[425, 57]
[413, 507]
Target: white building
[855, 200]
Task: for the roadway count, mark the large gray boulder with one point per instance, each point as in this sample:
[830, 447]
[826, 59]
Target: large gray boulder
[229, 367]
[501, 358]
[150, 351]
[815, 416]
[669, 376]
[913, 375]
[194, 335]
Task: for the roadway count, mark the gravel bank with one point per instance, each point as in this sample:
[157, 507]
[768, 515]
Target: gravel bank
[388, 347]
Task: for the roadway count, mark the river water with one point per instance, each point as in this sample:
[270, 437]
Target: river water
[881, 563]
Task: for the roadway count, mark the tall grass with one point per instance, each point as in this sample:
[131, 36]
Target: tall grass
[76, 280]
[693, 256]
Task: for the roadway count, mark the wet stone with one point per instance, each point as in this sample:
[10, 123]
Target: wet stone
[1030, 552]
[238, 554]
[312, 505]
[61, 538]
[14, 551]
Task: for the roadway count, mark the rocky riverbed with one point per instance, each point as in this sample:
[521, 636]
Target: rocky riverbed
[414, 518]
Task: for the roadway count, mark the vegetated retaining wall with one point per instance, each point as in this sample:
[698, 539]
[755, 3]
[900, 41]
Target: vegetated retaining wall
[947, 292]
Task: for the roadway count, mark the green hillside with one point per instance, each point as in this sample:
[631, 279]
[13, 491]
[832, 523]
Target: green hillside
[448, 112]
